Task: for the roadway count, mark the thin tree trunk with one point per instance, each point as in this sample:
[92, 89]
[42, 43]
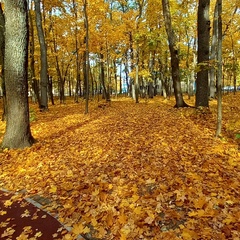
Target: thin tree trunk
[102, 79]
[213, 53]
[43, 49]
[77, 52]
[34, 82]
[18, 134]
[50, 89]
[219, 71]
[87, 56]
[174, 56]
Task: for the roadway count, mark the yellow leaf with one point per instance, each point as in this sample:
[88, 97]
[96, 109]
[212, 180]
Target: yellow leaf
[188, 234]
[138, 210]
[8, 203]
[125, 230]
[53, 189]
[150, 214]
[38, 234]
[2, 213]
[109, 219]
[148, 220]
[198, 213]
[229, 219]
[22, 236]
[94, 222]
[86, 230]
[199, 203]
[135, 198]
[78, 228]
[102, 231]
[8, 232]
[25, 214]
[150, 181]
[68, 236]
[95, 193]
[122, 219]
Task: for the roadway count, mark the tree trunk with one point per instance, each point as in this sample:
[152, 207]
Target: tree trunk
[174, 56]
[2, 52]
[77, 52]
[34, 82]
[213, 53]
[43, 49]
[50, 89]
[18, 134]
[87, 56]
[106, 95]
[203, 54]
[219, 71]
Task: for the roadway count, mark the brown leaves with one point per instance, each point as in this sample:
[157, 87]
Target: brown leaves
[131, 171]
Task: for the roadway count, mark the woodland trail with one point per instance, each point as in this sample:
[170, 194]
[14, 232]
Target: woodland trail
[131, 171]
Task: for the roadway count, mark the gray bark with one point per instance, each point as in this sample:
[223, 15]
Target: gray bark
[34, 82]
[2, 52]
[87, 55]
[213, 53]
[203, 54]
[18, 134]
[43, 49]
[174, 56]
[219, 71]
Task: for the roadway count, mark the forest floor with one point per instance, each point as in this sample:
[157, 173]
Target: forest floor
[133, 171]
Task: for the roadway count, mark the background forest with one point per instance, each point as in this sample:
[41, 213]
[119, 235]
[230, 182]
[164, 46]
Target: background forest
[119, 34]
[124, 170]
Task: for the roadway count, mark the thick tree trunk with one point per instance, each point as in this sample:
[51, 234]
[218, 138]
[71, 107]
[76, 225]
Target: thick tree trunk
[202, 91]
[174, 56]
[18, 134]
[43, 49]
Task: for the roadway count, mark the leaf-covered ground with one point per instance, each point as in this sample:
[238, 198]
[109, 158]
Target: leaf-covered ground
[133, 171]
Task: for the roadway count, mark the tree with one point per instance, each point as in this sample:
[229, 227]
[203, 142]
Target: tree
[213, 53]
[87, 54]
[43, 49]
[34, 82]
[203, 24]
[174, 56]
[2, 50]
[219, 68]
[17, 134]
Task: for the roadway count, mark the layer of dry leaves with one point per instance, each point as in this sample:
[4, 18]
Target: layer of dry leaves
[133, 171]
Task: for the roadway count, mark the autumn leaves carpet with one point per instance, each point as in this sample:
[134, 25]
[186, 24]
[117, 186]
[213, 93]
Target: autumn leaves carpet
[133, 171]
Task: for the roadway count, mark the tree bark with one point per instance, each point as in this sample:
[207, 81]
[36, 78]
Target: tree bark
[106, 94]
[202, 90]
[87, 55]
[174, 56]
[219, 71]
[43, 49]
[34, 82]
[213, 53]
[18, 134]
[2, 53]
